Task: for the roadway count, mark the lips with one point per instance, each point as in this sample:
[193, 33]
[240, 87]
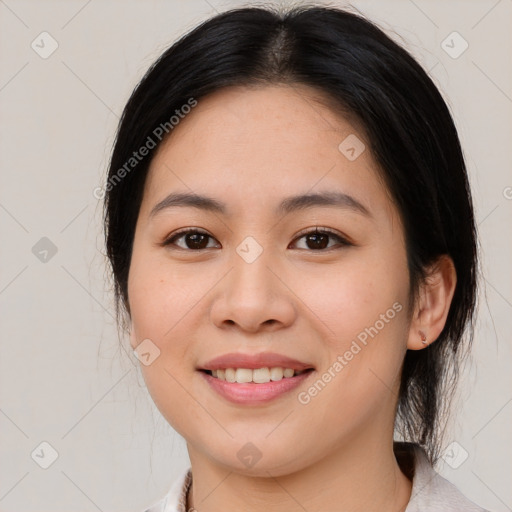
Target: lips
[252, 394]
[254, 379]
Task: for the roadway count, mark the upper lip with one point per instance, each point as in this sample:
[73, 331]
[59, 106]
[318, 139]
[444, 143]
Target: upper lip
[252, 361]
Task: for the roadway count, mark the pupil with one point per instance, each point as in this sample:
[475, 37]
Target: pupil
[196, 240]
[316, 243]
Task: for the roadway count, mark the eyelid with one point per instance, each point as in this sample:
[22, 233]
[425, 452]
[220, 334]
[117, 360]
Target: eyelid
[184, 231]
[342, 239]
[320, 230]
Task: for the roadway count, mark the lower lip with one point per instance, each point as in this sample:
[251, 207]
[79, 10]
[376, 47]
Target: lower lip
[254, 394]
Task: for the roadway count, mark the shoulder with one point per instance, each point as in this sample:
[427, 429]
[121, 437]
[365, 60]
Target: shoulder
[174, 500]
[430, 491]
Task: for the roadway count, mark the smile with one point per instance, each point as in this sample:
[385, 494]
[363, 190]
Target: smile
[255, 376]
[251, 393]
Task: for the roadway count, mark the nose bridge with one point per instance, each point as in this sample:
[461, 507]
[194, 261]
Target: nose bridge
[251, 276]
[252, 294]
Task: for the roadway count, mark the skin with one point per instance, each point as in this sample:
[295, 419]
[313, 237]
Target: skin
[250, 148]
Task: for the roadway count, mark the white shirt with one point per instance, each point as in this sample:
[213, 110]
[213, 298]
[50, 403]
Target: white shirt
[430, 491]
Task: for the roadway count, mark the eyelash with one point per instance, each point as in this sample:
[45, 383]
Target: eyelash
[317, 231]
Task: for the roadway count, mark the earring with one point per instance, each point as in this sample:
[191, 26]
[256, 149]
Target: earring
[423, 337]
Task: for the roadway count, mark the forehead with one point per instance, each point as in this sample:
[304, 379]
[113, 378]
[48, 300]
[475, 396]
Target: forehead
[262, 143]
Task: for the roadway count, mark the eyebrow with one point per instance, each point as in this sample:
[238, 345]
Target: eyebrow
[286, 206]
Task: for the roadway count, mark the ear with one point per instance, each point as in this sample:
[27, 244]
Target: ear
[433, 304]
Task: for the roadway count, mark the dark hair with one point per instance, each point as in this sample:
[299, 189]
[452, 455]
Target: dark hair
[410, 132]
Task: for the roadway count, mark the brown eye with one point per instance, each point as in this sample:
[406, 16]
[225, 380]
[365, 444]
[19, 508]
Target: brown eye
[318, 240]
[192, 240]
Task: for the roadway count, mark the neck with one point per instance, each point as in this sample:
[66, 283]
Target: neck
[360, 475]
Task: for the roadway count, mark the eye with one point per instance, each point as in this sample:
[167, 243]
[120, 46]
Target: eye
[192, 239]
[318, 239]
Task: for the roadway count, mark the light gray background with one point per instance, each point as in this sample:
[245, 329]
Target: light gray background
[63, 377]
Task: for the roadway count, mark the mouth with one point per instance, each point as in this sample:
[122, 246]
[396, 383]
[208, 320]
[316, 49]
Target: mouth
[255, 376]
[254, 379]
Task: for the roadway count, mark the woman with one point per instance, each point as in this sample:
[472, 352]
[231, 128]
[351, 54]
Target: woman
[292, 239]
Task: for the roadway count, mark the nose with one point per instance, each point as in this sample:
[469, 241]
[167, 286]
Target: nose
[253, 297]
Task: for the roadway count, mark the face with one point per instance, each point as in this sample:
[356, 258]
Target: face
[319, 287]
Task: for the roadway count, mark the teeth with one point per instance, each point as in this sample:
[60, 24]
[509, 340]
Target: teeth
[276, 373]
[243, 375]
[258, 375]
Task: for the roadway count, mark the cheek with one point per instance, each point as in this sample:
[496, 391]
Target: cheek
[161, 303]
[352, 295]
[360, 310]
[161, 297]
[358, 378]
